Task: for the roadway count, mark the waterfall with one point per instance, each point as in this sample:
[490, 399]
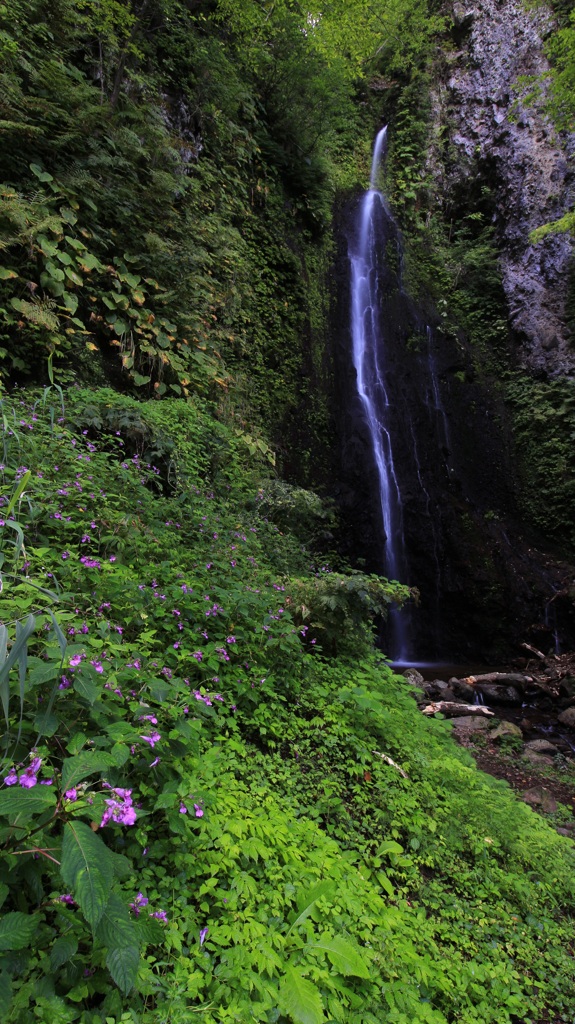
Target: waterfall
[368, 331]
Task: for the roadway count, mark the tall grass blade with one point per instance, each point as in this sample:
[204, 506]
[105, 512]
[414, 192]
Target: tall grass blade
[19, 645]
[21, 486]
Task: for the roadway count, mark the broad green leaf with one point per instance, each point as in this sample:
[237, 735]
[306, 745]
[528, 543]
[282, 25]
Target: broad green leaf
[344, 957]
[6, 274]
[300, 999]
[116, 929]
[68, 215]
[389, 846]
[56, 288]
[307, 900]
[89, 262]
[75, 745]
[74, 769]
[70, 302]
[73, 277]
[123, 966]
[16, 930]
[39, 173]
[84, 687]
[46, 723]
[385, 883]
[55, 273]
[43, 673]
[86, 869]
[5, 994]
[63, 950]
[131, 279]
[25, 803]
[46, 245]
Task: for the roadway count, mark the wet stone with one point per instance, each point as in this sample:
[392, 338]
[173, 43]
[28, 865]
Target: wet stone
[538, 759]
[506, 729]
[540, 798]
[542, 747]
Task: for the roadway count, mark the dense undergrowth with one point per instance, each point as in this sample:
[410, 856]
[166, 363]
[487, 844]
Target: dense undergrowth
[217, 800]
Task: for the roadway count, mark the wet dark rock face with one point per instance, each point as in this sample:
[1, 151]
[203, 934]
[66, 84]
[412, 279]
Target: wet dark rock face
[486, 583]
[484, 587]
[484, 135]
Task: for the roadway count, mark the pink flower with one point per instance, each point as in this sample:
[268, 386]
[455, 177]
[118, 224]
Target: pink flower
[28, 779]
[71, 795]
[122, 813]
[198, 811]
[139, 902]
[11, 778]
[152, 740]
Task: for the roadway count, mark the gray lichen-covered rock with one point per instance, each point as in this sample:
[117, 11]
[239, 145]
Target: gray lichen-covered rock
[567, 718]
[414, 678]
[466, 726]
[510, 147]
[540, 798]
[542, 747]
[537, 759]
[506, 729]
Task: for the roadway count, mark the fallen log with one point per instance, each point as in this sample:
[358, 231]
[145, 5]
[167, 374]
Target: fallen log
[452, 710]
[535, 651]
[503, 678]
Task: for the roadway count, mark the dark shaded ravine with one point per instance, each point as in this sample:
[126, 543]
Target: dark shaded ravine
[453, 529]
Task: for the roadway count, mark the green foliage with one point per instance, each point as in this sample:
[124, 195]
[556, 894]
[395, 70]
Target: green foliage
[201, 812]
[338, 608]
[544, 426]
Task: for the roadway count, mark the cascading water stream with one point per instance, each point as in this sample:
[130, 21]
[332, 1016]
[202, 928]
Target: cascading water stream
[368, 330]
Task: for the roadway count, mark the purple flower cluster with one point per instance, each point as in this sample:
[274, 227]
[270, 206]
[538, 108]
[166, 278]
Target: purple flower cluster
[120, 811]
[152, 740]
[28, 778]
[205, 697]
[139, 902]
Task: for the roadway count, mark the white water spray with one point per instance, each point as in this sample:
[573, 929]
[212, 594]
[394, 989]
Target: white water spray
[368, 331]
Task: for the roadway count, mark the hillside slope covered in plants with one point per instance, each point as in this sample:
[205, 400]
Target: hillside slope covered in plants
[214, 792]
[218, 801]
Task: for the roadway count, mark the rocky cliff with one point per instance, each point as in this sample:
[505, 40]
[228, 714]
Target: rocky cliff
[469, 482]
[489, 132]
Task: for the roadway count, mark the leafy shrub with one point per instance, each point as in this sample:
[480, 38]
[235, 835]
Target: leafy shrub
[200, 812]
